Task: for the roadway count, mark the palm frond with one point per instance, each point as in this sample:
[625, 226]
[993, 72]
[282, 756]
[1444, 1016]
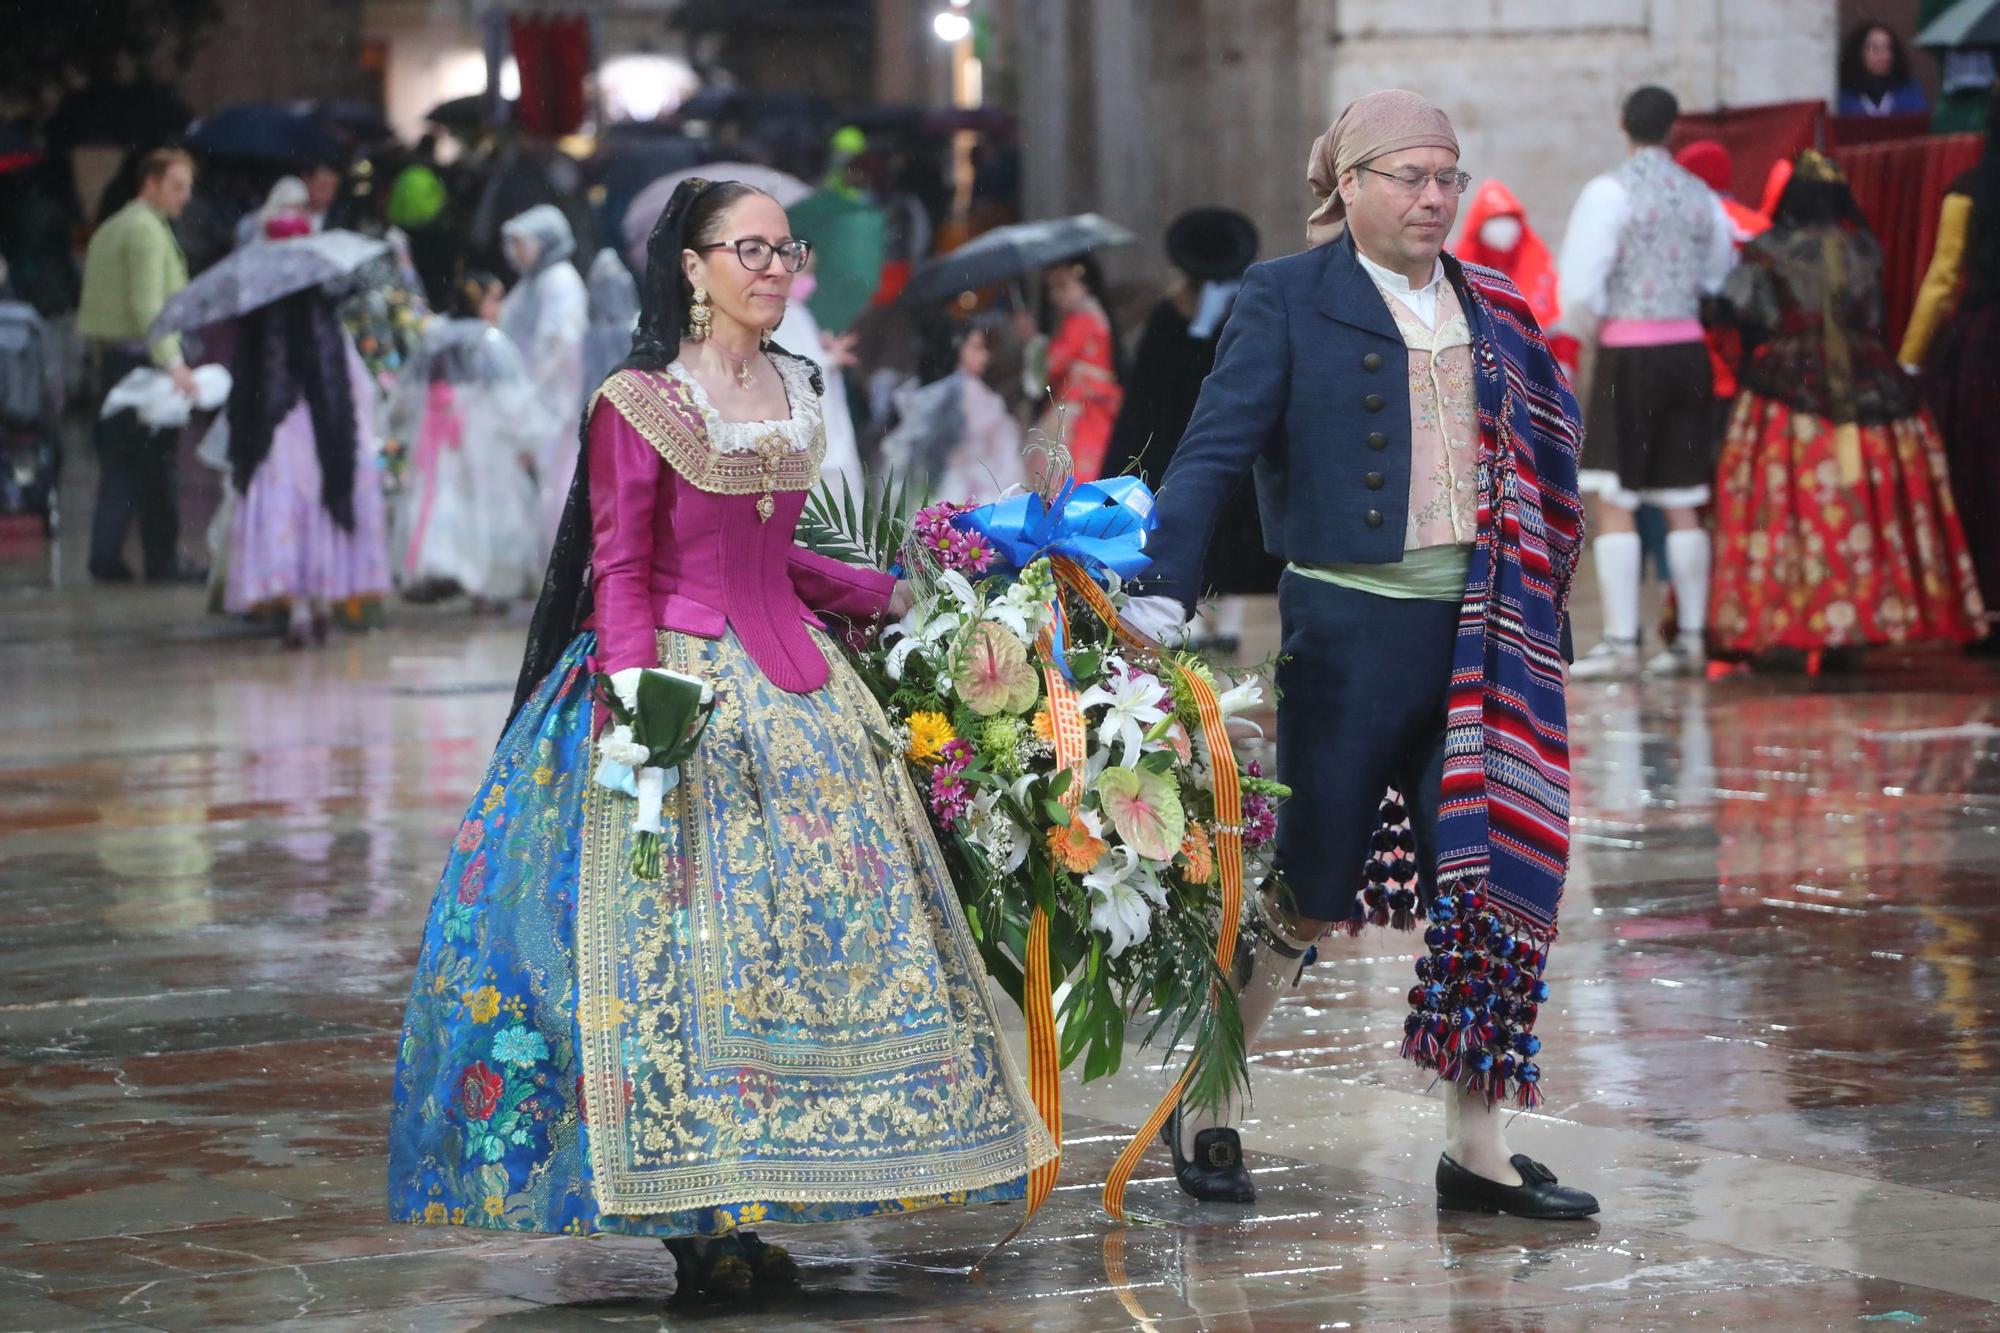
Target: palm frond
[867, 531]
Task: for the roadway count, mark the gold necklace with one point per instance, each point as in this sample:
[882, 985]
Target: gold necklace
[744, 380]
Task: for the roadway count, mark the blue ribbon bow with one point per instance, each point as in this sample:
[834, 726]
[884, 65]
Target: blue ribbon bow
[1102, 525]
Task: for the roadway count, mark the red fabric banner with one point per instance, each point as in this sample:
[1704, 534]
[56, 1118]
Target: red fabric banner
[1756, 137]
[1900, 186]
[554, 56]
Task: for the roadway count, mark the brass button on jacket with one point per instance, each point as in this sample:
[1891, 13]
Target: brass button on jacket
[1373, 518]
[1372, 361]
[1377, 440]
[1374, 402]
[1373, 481]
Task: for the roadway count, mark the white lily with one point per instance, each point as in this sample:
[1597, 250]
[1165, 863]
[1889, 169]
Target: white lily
[1123, 895]
[931, 622]
[1004, 842]
[1020, 612]
[1132, 701]
[1241, 697]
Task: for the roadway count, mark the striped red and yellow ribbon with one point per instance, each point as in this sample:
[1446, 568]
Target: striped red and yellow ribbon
[1038, 1000]
[1228, 858]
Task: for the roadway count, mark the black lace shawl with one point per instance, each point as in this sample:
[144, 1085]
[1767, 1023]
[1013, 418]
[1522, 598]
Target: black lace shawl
[292, 349]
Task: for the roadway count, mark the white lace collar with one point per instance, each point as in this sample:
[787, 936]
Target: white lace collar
[800, 431]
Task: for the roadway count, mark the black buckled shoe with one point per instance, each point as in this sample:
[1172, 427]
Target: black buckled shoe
[1217, 1173]
[1538, 1195]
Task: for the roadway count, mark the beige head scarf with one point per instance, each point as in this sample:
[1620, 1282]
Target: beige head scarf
[1384, 122]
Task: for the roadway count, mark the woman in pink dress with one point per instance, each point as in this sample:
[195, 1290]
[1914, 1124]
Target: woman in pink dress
[783, 1020]
[308, 531]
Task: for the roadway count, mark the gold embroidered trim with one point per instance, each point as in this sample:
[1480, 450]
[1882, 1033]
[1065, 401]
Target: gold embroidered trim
[626, 1119]
[666, 416]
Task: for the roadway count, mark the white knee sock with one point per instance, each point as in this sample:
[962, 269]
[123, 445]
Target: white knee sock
[1228, 620]
[1272, 972]
[1617, 555]
[1687, 563]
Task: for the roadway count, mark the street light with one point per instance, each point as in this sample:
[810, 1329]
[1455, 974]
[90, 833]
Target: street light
[952, 26]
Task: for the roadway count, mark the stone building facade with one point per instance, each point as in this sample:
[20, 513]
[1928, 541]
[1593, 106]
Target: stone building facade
[1141, 108]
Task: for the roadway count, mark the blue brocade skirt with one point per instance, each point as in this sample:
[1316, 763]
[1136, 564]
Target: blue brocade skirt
[789, 1025]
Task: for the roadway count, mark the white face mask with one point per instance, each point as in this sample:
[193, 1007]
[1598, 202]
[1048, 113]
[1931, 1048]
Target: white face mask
[1501, 233]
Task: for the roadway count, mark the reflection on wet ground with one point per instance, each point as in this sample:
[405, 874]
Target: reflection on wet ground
[1772, 1050]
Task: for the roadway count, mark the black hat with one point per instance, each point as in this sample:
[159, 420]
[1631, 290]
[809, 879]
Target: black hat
[1212, 244]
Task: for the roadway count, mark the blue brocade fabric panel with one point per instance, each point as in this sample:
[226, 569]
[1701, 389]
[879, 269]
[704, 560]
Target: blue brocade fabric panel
[487, 1128]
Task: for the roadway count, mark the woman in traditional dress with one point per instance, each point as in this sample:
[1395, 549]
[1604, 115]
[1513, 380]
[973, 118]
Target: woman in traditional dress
[789, 1024]
[466, 411]
[1082, 389]
[955, 440]
[547, 313]
[308, 529]
[1834, 516]
[1954, 338]
[1210, 248]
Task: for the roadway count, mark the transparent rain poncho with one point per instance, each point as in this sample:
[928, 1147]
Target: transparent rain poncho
[469, 419]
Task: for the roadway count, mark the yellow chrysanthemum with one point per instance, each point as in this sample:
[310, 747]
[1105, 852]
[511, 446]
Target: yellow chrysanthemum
[929, 734]
[1045, 726]
[483, 1004]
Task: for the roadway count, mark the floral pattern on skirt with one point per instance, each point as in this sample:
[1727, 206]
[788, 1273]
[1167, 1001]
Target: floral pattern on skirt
[1811, 555]
[490, 1127]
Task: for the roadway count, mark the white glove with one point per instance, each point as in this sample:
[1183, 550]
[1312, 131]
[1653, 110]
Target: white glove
[1158, 618]
[625, 684]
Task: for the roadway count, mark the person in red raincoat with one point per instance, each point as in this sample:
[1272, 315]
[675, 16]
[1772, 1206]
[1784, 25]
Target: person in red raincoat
[1495, 233]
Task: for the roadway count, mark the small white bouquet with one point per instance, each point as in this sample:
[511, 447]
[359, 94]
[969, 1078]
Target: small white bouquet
[658, 718]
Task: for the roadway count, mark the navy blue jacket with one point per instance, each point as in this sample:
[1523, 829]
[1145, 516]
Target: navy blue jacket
[1311, 384]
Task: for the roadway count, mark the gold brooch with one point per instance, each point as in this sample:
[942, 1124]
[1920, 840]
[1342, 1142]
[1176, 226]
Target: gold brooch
[771, 449]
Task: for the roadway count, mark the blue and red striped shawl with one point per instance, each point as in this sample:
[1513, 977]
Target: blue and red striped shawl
[1503, 823]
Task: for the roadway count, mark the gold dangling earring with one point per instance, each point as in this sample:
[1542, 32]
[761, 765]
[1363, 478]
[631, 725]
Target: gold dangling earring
[764, 338]
[698, 315]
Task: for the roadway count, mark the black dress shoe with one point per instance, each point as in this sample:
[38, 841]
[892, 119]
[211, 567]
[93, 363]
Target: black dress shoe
[1217, 1173]
[1538, 1194]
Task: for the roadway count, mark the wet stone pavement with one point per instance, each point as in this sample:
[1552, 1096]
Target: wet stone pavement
[1772, 1048]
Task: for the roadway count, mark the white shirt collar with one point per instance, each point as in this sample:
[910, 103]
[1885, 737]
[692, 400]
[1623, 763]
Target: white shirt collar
[1395, 281]
[1420, 301]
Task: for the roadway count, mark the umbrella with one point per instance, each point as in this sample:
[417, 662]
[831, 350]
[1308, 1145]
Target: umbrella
[1011, 252]
[1967, 23]
[463, 116]
[262, 272]
[261, 132]
[649, 203]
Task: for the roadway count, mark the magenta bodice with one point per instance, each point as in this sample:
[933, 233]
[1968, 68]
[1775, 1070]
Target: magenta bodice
[678, 541]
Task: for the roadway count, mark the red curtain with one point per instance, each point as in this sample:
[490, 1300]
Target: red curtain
[1900, 186]
[1756, 137]
[554, 56]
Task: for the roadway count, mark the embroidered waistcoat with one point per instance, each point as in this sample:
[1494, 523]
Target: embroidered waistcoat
[1664, 243]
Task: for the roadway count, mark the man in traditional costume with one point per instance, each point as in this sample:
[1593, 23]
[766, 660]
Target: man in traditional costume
[1645, 244]
[1414, 447]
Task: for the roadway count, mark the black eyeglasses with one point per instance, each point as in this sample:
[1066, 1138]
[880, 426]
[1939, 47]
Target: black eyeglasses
[1413, 179]
[754, 253]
